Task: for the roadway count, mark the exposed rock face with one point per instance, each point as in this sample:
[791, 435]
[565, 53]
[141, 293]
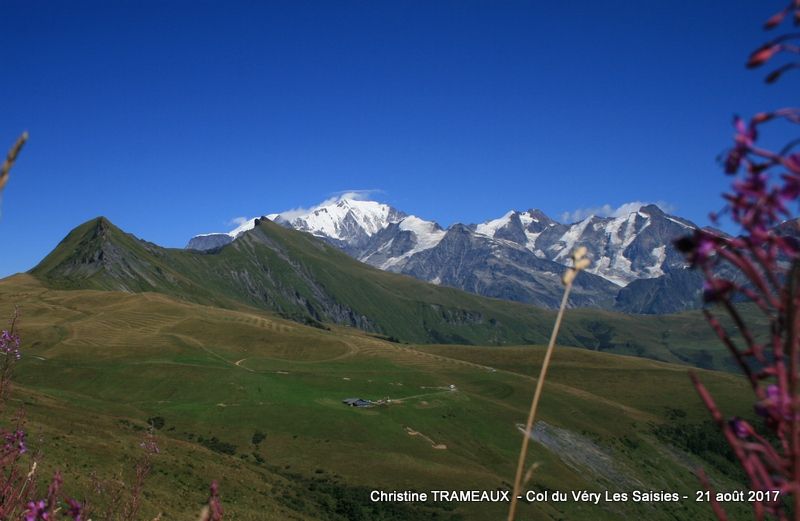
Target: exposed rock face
[347, 223]
[209, 241]
[294, 274]
[482, 265]
[519, 256]
[678, 290]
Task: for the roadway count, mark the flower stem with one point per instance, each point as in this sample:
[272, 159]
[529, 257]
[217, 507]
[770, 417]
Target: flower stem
[512, 510]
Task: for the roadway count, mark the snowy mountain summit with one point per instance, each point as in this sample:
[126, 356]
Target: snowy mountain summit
[345, 222]
[349, 223]
[519, 256]
[636, 245]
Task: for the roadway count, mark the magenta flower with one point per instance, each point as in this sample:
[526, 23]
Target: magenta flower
[792, 162]
[762, 266]
[9, 344]
[762, 55]
[15, 442]
[74, 510]
[739, 427]
[37, 511]
[150, 446]
[698, 248]
[215, 511]
[715, 289]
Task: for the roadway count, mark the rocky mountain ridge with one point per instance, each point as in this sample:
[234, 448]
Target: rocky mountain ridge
[518, 257]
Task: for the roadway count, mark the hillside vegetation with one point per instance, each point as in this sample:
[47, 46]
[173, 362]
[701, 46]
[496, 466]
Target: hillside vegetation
[254, 400]
[304, 279]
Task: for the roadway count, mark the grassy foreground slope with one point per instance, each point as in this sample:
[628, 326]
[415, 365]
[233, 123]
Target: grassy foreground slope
[255, 401]
[304, 279]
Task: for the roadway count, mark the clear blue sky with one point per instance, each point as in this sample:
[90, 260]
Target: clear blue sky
[172, 118]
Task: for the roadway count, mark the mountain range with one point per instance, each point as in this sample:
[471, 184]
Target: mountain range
[519, 256]
[298, 276]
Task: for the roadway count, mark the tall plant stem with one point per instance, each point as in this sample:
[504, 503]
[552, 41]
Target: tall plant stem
[5, 168]
[523, 453]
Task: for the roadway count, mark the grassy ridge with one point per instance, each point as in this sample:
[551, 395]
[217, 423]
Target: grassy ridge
[99, 363]
[301, 278]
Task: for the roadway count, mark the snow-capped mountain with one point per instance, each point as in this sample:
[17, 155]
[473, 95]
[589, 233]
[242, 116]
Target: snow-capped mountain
[626, 248]
[519, 256]
[210, 241]
[348, 223]
[392, 247]
[501, 268]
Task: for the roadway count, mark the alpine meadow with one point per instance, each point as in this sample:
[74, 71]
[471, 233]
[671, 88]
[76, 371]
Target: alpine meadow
[477, 265]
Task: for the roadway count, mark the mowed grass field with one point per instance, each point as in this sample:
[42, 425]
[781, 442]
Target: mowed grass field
[254, 401]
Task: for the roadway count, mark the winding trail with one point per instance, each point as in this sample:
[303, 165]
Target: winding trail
[358, 346]
[434, 445]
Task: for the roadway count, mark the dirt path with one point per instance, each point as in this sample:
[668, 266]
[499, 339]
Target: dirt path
[404, 398]
[356, 345]
[190, 340]
[565, 388]
[434, 445]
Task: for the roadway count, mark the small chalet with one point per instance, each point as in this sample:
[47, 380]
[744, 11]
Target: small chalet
[357, 402]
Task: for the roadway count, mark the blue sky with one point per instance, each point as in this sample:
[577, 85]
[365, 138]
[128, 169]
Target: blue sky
[172, 118]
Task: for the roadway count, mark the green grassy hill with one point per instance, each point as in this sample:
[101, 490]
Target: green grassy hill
[254, 400]
[301, 278]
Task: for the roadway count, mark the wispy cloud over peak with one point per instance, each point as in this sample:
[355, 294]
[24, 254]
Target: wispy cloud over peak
[607, 210]
[237, 221]
[355, 195]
